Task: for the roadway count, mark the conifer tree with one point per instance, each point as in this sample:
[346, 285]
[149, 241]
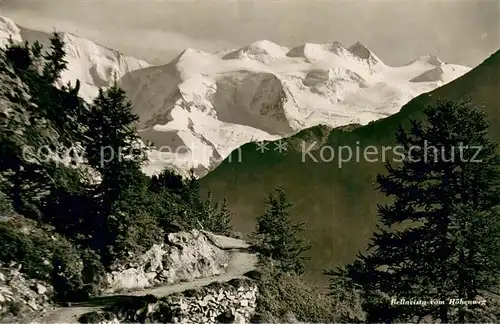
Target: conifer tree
[55, 62]
[167, 180]
[216, 217]
[18, 55]
[113, 149]
[51, 118]
[191, 192]
[39, 71]
[184, 201]
[439, 239]
[278, 236]
[113, 144]
[37, 54]
[223, 218]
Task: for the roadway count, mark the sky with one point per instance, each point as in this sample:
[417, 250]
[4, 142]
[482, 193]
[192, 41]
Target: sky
[460, 32]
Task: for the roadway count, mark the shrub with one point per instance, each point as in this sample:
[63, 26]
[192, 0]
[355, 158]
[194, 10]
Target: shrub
[93, 272]
[45, 255]
[96, 317]
[254, 274]
[67, 269]
[32, 253]
[6, 209]
[282, 294]
[137, 235]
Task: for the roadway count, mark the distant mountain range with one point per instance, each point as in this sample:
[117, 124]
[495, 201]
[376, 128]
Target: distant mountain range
[201, 106]
[338, 204]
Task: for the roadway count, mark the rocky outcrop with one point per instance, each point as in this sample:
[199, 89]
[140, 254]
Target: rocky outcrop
[185, 256]
[235, 303]
[231, 302]
[20, 296]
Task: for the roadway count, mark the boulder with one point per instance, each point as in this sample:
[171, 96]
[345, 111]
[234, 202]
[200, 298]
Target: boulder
[127, 279]
[39, 288]
[185, 257]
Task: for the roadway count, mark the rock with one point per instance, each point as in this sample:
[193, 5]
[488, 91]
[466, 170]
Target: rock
[206, 306]
[184, 305]
[25, 294]
[191, 255]
[39, 288]
[151, 275]
[290, 318]
[127, 279]
[184, 257]
[153, 258]
[249, 295]
[239, 319]
[151, 308]
[32, 304]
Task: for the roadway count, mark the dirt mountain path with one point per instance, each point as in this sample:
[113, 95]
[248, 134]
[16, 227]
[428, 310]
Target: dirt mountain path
[241, 262]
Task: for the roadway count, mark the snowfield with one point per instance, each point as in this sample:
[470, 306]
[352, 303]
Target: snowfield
[200, 107]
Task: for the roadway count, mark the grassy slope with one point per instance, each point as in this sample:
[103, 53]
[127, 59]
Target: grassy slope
[338, 205]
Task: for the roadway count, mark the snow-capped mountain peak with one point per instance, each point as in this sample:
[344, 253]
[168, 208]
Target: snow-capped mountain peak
[428, 59]
[263, 51]
[188, 52]
[8, 28]
[313, 51]
[93, 64]
[361, 51]
[201, 106]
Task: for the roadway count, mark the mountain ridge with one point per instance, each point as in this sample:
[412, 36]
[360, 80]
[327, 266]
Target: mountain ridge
[201, 106]
[264, 91]
[93, 64]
